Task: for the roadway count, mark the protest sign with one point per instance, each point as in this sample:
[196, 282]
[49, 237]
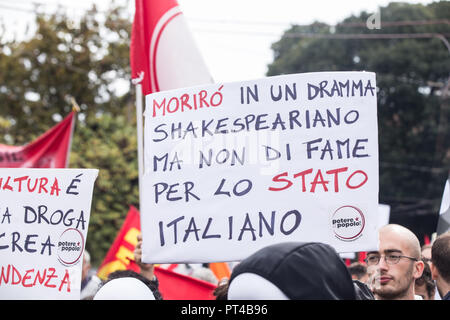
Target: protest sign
[231, 168]
[44, 219]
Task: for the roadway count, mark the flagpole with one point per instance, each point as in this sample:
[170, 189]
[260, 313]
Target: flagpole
[139, 127]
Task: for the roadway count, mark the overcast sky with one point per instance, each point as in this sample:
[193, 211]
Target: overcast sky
[234, 36]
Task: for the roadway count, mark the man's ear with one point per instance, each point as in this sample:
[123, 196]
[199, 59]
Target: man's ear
[418, 269]
[434, 272]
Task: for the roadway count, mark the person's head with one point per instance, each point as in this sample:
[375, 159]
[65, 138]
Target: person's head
[425, 286]
[125, 288]
[440, 268]
[132, 274]
[292, 270]
[86, 265]
[358, 271]
[396, 265]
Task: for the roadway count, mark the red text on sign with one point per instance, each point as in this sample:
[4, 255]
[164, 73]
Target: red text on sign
[310, 180]
[10, 275]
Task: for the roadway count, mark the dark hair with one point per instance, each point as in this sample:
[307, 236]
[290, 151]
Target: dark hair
[152, 284]
[426, 279]
[358, 269]
[440, 255]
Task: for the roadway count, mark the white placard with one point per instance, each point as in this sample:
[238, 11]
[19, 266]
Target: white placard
[445, 202]
[233, 167]
[44, 219]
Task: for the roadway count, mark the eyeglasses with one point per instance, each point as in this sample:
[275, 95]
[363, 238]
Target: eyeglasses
[389, 258]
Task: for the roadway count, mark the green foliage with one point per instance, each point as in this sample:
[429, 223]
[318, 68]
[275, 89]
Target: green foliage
[414, 136]
[79, 59]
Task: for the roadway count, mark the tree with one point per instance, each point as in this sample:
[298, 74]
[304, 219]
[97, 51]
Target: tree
[108, 143]
[414, 136]
[67, 59]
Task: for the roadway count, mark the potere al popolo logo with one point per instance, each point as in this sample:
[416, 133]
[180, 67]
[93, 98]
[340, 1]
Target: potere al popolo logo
[70, 247]
[348, 223]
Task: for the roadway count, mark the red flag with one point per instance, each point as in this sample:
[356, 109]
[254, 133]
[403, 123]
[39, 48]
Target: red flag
[122, 248]
[172, 266]
[177, 286]
[50, 150]
[162, 49]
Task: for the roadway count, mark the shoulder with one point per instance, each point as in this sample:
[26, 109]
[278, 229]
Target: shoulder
[362, 291]
[91, 287]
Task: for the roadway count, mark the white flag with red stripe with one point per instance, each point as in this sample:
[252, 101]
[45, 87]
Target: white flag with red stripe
[444, 211]
[163, 51]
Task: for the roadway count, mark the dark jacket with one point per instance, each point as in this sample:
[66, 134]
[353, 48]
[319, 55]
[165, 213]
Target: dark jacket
[301, 271]
[362, 291]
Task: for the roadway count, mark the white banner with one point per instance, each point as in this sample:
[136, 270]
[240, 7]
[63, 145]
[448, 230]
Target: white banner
[233, 167]
[44, 219]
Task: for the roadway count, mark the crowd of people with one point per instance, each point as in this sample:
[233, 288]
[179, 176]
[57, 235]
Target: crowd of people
[400, 270]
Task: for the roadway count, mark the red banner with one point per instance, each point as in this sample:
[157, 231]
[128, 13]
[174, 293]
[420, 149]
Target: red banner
[177, 286]
[122, 248]
[162, 50]
[172, 285]
[50, 150]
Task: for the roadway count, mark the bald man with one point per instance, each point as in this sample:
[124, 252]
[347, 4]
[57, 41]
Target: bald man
[396, 265]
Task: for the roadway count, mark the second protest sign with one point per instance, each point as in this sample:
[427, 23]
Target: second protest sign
[44, 220]
[233, 167]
